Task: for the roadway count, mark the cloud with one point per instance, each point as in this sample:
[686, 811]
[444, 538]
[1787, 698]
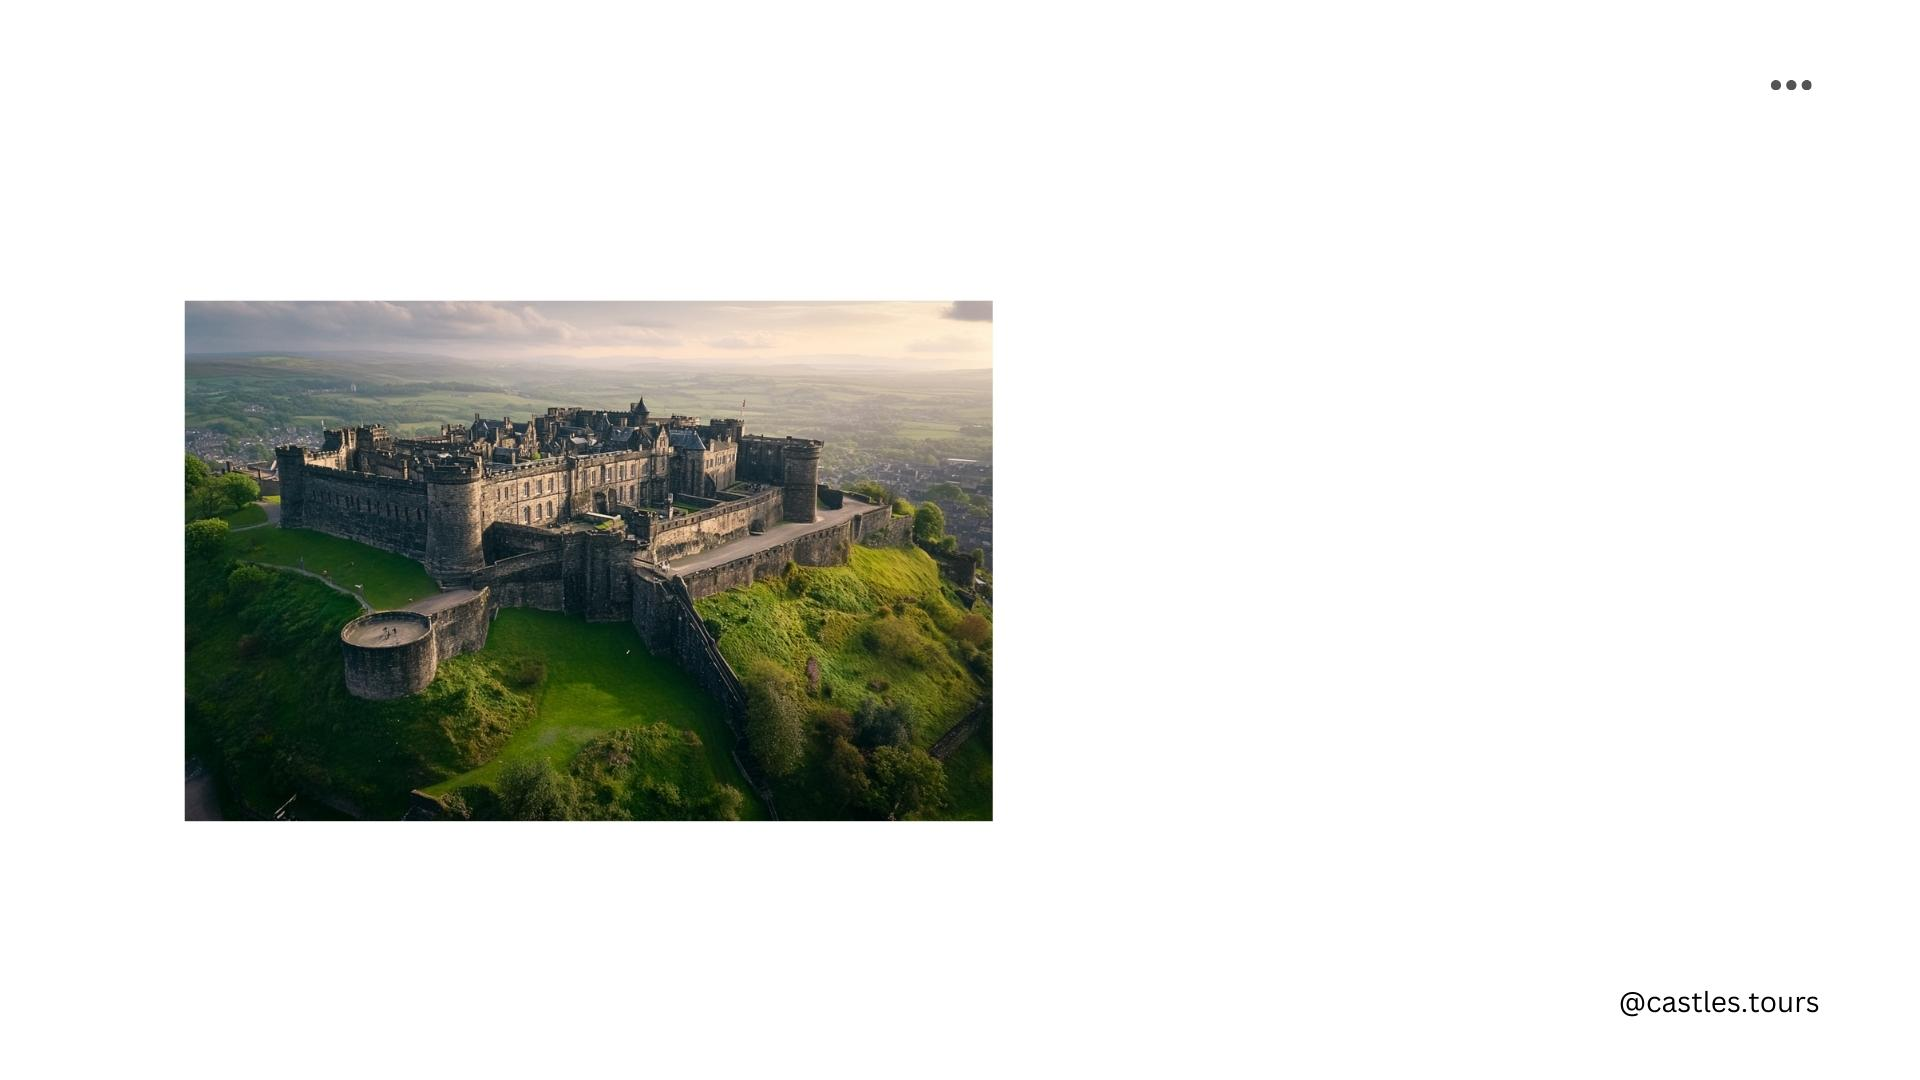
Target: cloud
[742, 341]
[741, 331]
[970, 311]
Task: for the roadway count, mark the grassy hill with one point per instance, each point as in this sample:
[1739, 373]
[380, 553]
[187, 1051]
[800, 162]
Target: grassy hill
[882, 631]
[267, 707]
[387, 580]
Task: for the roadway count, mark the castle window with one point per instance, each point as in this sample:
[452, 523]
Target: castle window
[526, 514]
[525, 490]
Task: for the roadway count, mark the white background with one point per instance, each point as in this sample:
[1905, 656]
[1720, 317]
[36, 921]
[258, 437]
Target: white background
[1458, 537]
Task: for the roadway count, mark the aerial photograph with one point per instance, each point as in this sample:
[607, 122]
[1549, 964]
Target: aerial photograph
[544, 561]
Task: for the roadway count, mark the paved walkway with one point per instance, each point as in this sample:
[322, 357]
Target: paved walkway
[440, 601]
[779, 534]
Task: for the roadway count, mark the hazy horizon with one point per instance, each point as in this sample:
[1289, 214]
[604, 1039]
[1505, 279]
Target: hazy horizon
[923, 335]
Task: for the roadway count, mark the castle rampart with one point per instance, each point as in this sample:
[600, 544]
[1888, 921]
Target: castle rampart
[389, 654]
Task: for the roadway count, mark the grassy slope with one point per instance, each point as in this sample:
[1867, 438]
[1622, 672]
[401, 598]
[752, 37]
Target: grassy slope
[250, 514]
[265, 694]
[970, 777]
[599, 678]
[391, 580]
[829, 612]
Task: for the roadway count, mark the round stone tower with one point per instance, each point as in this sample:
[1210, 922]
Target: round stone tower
[388, 654]
[800, 499]
[291, 464]
[456, 519]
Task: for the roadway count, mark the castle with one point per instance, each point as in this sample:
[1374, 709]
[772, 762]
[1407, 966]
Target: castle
[438, 498]
[605, 514]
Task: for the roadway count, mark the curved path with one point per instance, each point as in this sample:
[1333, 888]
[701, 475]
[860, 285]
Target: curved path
[327, 581]
[273, 516]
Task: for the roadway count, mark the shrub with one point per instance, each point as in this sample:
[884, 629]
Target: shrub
[248, 579]
[877, 723]
[973, 629]
[481, 801]
[897, 639]
[775, 733]
[907, 782]
[206, 538]
[725, 803]
[902, 508]
[846, 771]
[532, 790]
[874, 490]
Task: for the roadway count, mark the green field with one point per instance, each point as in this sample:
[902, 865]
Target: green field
[599, 678]
[389, 580]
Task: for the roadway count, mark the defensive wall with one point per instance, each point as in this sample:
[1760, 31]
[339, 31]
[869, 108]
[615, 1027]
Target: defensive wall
[382, 511]
[391, 654]
[577, 571]
[703, 530]
[665, 619]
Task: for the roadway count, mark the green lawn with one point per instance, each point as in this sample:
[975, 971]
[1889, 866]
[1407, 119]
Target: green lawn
[250, 514]
[390, 580]
[599, 677]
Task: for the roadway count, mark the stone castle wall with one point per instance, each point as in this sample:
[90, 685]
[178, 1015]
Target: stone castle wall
[702, 530]
[462, 628]
[384, 672]
[387, 513]
[827, 547]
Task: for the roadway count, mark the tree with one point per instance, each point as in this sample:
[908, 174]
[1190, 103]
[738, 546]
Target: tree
[533, 790]
[197, 473]
[907, 781]
[928, 523]
[847, 774]
[236, 489]
[206, 538]
[775, 730]
[877, 723]
[902, 508]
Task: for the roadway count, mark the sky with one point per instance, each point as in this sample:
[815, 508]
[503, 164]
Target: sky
[922, 334]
